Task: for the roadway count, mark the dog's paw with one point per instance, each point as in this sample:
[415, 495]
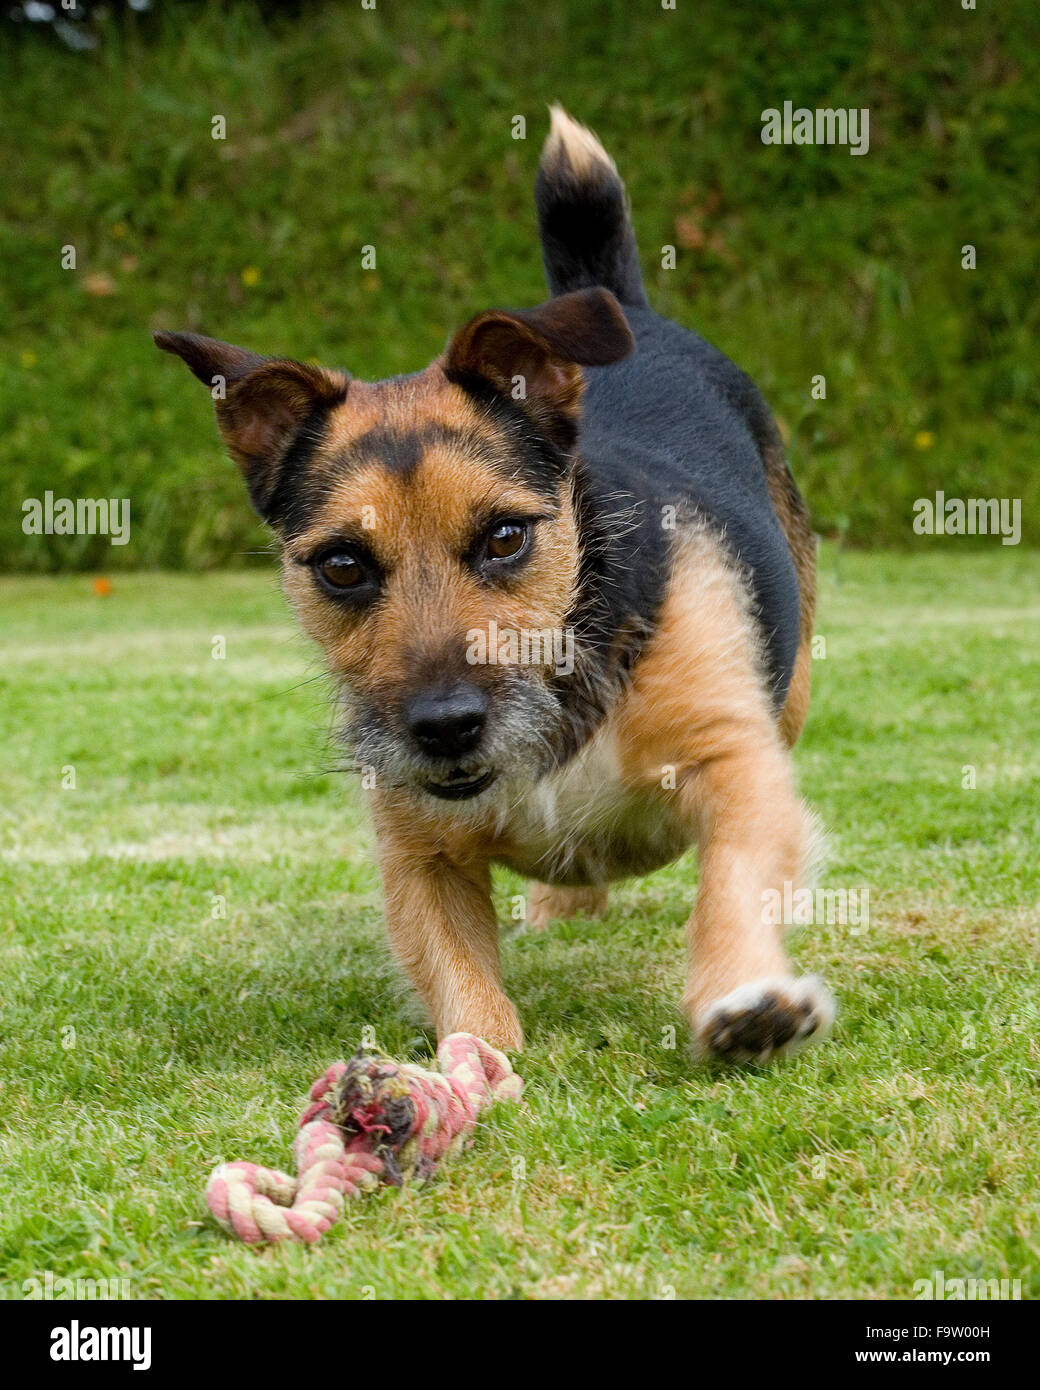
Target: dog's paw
[765, 1019]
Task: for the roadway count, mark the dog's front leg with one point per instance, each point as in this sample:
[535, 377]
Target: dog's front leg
[742, 1000]
[443, 929]
[699, 722]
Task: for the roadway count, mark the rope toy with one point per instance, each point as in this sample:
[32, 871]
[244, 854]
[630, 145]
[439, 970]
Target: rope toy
[371, 1121]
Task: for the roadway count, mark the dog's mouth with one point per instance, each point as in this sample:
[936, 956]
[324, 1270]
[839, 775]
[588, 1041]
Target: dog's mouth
[460, 786]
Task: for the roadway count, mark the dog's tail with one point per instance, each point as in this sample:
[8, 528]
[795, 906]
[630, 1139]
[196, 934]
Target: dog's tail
[583, 217]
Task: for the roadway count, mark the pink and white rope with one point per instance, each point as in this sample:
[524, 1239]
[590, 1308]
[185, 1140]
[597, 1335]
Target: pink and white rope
[370, 1121]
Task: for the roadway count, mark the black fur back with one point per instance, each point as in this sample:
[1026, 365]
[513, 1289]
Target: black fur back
[676, 425]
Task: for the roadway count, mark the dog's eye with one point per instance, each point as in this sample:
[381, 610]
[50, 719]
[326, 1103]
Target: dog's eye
[340, 569]
[507, 540]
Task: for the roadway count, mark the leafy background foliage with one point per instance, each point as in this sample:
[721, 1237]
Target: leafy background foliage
[391, 127]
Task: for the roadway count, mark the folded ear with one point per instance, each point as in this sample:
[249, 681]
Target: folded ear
[263, 405]
[535, 356]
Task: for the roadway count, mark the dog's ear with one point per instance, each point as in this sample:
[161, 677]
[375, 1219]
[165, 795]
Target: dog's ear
[535, 356]
[262, 404]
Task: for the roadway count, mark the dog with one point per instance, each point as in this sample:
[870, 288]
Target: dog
[585, 468]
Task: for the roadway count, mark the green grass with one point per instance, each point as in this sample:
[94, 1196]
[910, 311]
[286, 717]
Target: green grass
[394, 128]
[906, 1143]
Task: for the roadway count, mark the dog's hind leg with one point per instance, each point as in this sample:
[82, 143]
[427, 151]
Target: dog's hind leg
[548, 903]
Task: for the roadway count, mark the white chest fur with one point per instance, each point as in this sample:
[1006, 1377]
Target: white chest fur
[582, 825]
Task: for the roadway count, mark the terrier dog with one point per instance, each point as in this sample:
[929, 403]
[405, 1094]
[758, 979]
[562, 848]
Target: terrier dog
[586, 469]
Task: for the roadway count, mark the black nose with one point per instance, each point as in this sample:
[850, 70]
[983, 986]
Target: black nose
[447, 723]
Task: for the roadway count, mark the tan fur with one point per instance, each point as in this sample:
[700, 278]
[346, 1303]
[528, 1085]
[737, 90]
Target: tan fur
[695, 731]
[417, 527]
[694, 736]
[691, 753]
[582, 148]
[547, 903]
[796, 706]
[698, 709]
[427, 397]
[442, 927]
[793, 516]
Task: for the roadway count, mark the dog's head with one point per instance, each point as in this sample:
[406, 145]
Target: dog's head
[430, 533]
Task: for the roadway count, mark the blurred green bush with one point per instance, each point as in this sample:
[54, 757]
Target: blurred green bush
[393, 128]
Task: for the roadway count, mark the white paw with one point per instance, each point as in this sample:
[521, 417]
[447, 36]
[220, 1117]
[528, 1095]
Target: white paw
[765, 1019]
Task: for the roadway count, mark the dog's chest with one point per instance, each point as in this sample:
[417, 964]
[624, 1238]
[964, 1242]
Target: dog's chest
[582, 825]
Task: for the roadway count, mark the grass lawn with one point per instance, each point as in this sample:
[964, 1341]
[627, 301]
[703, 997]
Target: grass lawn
[145, 1036]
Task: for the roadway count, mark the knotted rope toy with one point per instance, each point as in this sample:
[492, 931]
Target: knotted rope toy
[371, 1121]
